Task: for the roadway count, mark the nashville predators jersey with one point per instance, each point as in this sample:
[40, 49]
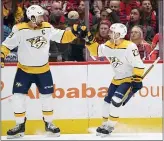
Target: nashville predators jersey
[124, 58]
[33, 45]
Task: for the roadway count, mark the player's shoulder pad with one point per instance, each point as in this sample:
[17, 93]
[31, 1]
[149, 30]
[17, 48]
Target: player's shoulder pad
[46, 25]
[131, 45]
[108, 44]
[21, 26]
[126, 44]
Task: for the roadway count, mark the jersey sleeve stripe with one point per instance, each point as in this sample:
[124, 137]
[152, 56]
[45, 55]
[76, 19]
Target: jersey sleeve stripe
[138, 71]
[5, 51]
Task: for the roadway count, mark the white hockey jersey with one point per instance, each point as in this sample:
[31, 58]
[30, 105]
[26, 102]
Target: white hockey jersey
[124, 58]
[33, 45]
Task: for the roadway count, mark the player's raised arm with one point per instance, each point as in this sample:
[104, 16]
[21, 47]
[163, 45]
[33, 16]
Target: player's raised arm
[67, 36]
[10, 43]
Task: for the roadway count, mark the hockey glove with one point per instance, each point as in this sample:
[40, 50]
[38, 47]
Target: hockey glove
[136, 83]
[2, 60]
[79, 31]
[90, 39]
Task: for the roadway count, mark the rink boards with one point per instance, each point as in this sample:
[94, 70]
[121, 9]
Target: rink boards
[78, 97]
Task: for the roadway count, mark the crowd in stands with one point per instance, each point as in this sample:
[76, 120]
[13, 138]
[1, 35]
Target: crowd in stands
[140, 17]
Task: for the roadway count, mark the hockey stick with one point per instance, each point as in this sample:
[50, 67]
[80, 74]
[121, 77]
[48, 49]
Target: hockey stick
[145, 74]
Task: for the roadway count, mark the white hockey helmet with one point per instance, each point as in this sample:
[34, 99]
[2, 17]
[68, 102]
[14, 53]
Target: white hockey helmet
[119, 28]
[33, 12]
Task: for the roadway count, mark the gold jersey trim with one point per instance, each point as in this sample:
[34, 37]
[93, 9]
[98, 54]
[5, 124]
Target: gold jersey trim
[123, 45]
[120, 81]
[4, 51]
[67, 37]
[34, 69]
[138, 71]
[25, 25]
[47, 113]
[20, 114]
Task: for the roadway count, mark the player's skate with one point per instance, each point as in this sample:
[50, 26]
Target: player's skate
[51, 129]
[17, 131]
[104, 130]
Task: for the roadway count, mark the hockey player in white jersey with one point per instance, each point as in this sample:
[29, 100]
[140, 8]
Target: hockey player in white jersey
[33, 41]
[128, 67]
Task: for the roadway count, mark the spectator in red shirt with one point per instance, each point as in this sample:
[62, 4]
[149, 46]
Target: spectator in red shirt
[57, 16]
[149, 15]
[135, 19]
[144, 48]
[125, 8]
[72, 5]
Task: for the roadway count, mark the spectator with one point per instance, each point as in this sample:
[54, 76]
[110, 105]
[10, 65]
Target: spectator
[35, 2]
[77, 47]
[71, 5]
[102, 35]
[73, 18]
[57, 16]
[149, 15]
[155, 47]
[81, 11]
[98, 6]
[107, 14]
[115, 15]
[135, 19]
[58, 52]
[125, 8]
[136, 37]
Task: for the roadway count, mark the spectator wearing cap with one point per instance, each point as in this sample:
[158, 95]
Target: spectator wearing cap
[135, 19]
[77, 47]
[149, 15]
[144, 48]
[72, 18]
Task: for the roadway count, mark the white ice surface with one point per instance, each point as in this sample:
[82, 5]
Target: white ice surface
[114, 136]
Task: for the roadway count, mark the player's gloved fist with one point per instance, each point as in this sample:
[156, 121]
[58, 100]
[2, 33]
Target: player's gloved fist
[136, 83]
[90, 39]
[79, 30]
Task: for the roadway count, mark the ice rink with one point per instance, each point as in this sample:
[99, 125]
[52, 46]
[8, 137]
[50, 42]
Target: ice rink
[114, 136]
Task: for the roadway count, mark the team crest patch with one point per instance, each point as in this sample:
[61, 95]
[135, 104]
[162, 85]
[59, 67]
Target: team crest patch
[115, 62]
[37, 42]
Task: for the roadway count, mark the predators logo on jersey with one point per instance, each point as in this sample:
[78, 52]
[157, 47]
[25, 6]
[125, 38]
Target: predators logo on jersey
[115, 62]
[37, 42]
